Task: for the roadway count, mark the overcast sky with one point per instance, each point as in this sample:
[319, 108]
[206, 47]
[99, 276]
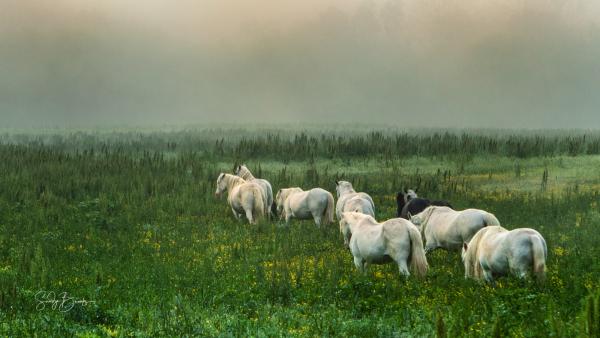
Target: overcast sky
[425, 63]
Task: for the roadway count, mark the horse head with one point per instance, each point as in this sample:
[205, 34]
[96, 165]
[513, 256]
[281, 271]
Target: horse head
[345, 228]
[279, 199]
[221, 185]
[342, 187]
[410, 194]
[240, 169]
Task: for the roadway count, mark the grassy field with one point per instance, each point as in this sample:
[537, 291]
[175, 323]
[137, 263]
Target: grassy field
[128, 221]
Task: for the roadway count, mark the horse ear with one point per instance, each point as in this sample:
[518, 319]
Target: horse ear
[465, 246]
[409, 215]
[416, 190]
[337, 182]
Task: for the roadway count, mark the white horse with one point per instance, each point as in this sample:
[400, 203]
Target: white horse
[395, 240]
[316, 203]
[350, 200]
[243, 197]
[495, 251]
[243, 172]
[443, 227]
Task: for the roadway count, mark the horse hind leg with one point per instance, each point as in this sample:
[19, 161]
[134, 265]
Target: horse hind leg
[360, 264]
[249, 216]
[522, 271]
[523, 274]
[403, 267]
[237, 215]
[429, 248]
[318, 220]
[401, 258]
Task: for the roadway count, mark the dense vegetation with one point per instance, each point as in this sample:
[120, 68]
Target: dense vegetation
[129, 221]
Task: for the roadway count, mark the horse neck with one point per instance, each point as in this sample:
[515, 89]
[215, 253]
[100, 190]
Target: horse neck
[425, 220]
[353, 226]
[286, 194]
[246, 174]
[233, 181]
[294, 191]
[362, 221]
[347, 191]
[473, 269]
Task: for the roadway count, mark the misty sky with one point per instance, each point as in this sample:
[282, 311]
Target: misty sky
[409, 63]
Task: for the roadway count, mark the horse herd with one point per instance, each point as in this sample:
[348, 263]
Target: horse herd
[488, 249]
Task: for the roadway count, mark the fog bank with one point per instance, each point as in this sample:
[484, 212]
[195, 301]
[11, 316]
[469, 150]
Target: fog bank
[431, 63]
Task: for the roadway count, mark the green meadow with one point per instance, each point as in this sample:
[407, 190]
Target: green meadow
[124, 229]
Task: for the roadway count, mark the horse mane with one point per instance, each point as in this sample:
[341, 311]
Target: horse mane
[233, 180]
[286, 192]
[245, 173]
[357, 216]
[370, 218]
[426, 215]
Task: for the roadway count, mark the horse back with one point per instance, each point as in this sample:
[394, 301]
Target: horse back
[318, 193]
[521, 237]
[359, 204]
[367, 197]
[442, 203]
[249, 188]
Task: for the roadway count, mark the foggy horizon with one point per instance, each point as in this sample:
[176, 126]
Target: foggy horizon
[432, 64]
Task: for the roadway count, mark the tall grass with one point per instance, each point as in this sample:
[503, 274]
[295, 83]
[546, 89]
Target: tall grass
[131, 223]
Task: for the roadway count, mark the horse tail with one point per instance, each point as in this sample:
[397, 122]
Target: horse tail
[259, 203]
[329, 210]
[266, 203]
[538, 248]
[418, 261]
[269, 199]
[490, 219]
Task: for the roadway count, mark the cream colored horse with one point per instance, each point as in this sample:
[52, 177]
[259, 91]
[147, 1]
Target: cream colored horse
[443, 227]
[316, 203]
[351, 201]
[243, 197]
[495, 251]
[395, 240]
[243, 172]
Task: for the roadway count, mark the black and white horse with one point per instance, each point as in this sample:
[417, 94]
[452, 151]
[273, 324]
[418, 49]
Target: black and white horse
[409, 203]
